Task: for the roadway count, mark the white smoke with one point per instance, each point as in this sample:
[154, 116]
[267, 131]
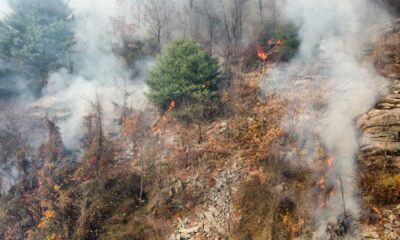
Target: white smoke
[97, 70]
[99, 26]
[4, 8]
[336, 34]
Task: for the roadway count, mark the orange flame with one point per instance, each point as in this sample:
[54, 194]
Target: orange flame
[330, 162]
[296, 227]
[321, 182]
[331, 194]
[271, 43]
[280, 43]
[164, 118]
[261, 53]
[377, 211]
[172, 106]
[328, 195]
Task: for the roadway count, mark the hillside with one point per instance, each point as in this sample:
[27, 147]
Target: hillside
[197, 120]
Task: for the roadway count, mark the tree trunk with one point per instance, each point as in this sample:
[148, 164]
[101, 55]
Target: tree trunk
[141, 179]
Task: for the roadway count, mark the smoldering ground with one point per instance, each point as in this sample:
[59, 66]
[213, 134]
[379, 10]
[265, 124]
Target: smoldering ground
[334, 36]
[100, 25]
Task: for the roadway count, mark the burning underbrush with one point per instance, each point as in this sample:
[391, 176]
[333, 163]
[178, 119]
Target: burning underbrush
[309, 190]
[300, 174]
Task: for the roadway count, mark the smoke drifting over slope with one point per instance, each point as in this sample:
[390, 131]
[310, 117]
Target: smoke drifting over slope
[97, 70]
[334, 35]
[102, 25]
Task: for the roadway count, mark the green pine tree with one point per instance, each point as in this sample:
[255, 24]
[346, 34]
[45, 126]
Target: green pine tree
[36, 38]
[185, 73]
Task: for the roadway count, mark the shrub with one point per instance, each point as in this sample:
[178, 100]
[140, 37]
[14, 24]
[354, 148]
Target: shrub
[37, 38]
[185, 73]
[288, 33]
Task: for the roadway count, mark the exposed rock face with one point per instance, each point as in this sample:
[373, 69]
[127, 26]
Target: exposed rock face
[386, 51]
[380, 141]
[211, 220]
[388, 227]
[48, 107]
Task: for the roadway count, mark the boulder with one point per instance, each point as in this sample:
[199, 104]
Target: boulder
[380, 137]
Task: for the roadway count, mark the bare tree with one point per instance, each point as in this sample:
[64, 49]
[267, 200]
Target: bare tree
[52, 152]
[226, 22]
[237, 19]
[260, 10]
[157, 16]
[55, 143]
[153, 18]
[95, 134]
[233, 14]
[145, 144]
[232, 17]
[122, 110]
[210, 12]
[139, 19]
[166, 17]
[138, 138]
[274, 13]
[14, 147]
[98, 115]
[271, 6]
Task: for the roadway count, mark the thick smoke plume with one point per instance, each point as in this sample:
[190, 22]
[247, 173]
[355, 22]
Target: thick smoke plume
[335, 36]
[102, 25]
[98, 71]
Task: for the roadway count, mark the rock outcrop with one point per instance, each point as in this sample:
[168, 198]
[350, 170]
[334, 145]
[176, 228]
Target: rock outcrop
[387, 228]
[386, 51]
[211, 220]
[380, 142]
[379, 157]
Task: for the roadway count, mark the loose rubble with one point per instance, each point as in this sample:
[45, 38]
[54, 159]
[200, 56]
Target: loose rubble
[388, 228]
[380, 140]
[211, 220]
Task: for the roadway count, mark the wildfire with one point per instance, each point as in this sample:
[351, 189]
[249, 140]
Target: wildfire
[164, 118]
[261, 53]
[271, 46]
[377, 211]
[324, 182]
[321, 182]
[172, 105]
[326, 197]
[132, 45]
[331, 193]
[330, 162]
[296, 227]
[322, 204]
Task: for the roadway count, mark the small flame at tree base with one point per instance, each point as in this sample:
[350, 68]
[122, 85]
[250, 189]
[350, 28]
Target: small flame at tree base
[164, 118]
[172, 106]
[330, 162]
[271, 45]
[321, 182]
[377, 211]
[261, 54]
[297, 226]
